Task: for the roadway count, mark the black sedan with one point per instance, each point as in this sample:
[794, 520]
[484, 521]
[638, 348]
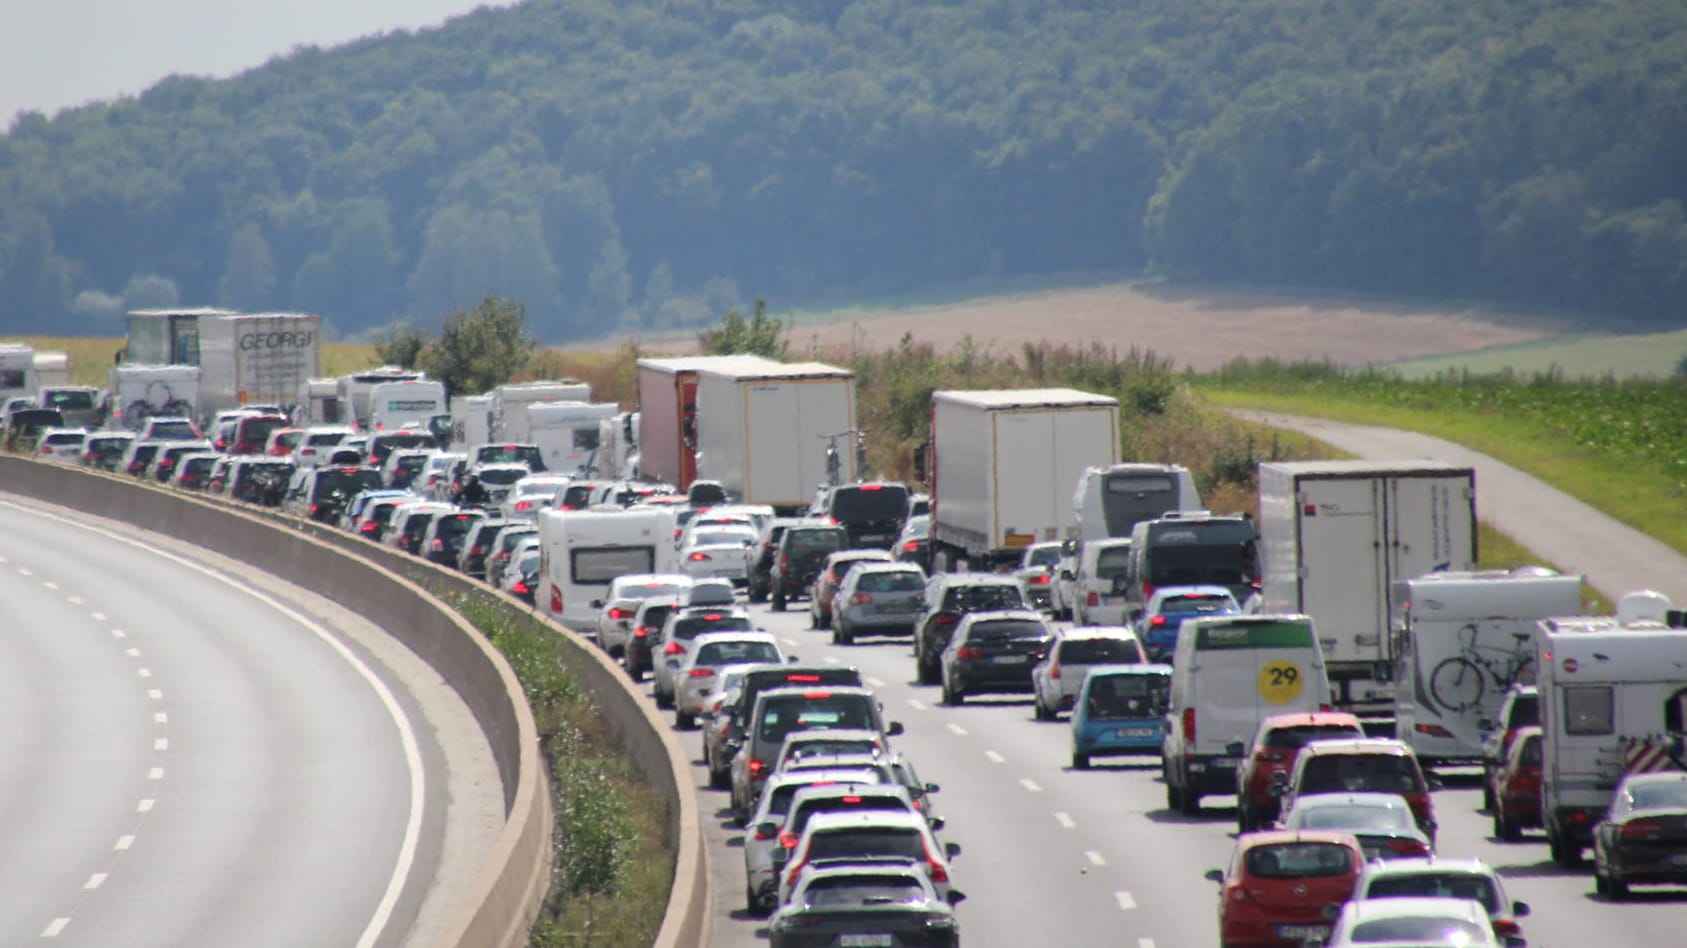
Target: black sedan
[866, 905]
[1643, 839]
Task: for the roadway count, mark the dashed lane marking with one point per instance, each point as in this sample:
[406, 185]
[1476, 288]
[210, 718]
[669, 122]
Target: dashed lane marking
[791, 642]
[916, 704]
[95, 881]
[25, 571]
[874, 682]
[74, 600]
[145, 806]
[833, 659]
[1065, 821]
[54, 927]
[1126, 903]
[49, 584]
[956, 729]
[160, 717]
[1145, 943]
[995, 758]
[133, 652]
[119, 634]
[161, 744]
[156, 773]
[1030, 785]
[144, 672]
[1095, 858]
[124, 841]
[155, 694]
[97, 616]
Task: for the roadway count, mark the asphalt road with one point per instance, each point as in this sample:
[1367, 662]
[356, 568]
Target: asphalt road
[198, 755]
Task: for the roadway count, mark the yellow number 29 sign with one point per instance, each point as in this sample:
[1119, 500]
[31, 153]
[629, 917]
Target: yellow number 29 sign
[1280, 681]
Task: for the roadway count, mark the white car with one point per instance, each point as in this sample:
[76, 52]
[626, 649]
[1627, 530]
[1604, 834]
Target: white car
[1450, 878]
[621, 602]
[1057, 679]
[1413, 922]
[887, 833]
[762, 837]
[531, 494]
[1036, 571]
[318, 442]
[717, 551]
[710, 518]
[435, 477]
[710, 652]
[62, 444]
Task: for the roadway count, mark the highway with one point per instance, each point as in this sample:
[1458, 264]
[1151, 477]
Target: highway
[1053, 856]
[196, 754]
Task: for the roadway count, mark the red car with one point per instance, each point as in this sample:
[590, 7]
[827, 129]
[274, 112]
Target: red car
[1284, 888]
[1275, 745]
[1516, 786]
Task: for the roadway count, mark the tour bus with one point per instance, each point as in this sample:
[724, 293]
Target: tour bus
[583, 551]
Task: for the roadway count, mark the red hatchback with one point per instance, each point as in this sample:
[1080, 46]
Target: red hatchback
[1516, 786]
[1284, 888]
[1276, 743]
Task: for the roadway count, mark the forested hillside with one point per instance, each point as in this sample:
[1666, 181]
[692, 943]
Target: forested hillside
[649, 163]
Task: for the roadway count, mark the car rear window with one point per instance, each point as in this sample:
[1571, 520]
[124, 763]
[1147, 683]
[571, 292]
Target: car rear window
[1530, 755]
[452, 526]
[1100, 652]
[1446, 885]
[174, 430]
[808, 541]
[1044, 556]
[1525, 711]
[257, 429]
[1003, 630]
[324, 438]
[1300, 735]
[798, 819]
[74, 400]
[1660, 796]
[501, 476]
[1133, 696]
[1299, 860]
[857, 889]
[1415, 930]
[1210, 604]
[830, 746]
[346, 480]
[733, 653]
[1112, 561]
[855, 841]
[869, 502]
[799, 712]
[66, 437]
[687, 628]
[656, 615]
[519, 453]
[592, 565]
[1336, 773]
[902, 581]
[1356, 819]
[983, 598]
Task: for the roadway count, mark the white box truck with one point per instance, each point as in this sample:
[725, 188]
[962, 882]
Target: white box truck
[1613, 697]
[1461, 640]
[17, 372]
[256, 359]
[1336, 536]
[319, 403]
[763, 429]
[567, 432]
[667, 404]
[471, 422]
[510, 401]
[138, 392]
[1002, 467]
[52, 368]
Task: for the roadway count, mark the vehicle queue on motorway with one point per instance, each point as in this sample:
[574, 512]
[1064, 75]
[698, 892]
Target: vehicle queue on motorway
[1175, 653]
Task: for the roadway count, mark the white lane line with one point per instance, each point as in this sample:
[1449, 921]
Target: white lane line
[97, 616]
[156, 773]
[1065, 821]
[161, 744]
[133, 652]
[995, 758]
[74, 600]
[833, 659]
[791, 642]
[54, 927]
[145, 806]
[957, 730]
[155, 694]
[874, 682]
[916, 704]
[1145, 943]
[95, 881]
[124, 841]
[160, 717]
[49, 584]
[1030, 785]
[1126, 903]
[119, 634]
[144, 672]
[1095, 858]
[25, 571]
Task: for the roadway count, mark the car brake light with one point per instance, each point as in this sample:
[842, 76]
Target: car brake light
[524, 505]
[369, 526]
[1157, 621]
[1406, 847]
[1147, 591]
[938, 872]
[314, 508]
[701, 673]
[1093, 599]
[698, 557]
[945, 620]
[1041, 579]
[788, 840]
[556, 598]
[1433, 730]
[1054, 671]
[968, 653]
[439, 546]
[1189, 729]
[641, 632]
[817, 694]
[1505, 927]
[519, 588]
[616, 612]
[673, 648]
[476, 550]
[911, 546]
[861, 599]
[1641, 829]
[756, 767]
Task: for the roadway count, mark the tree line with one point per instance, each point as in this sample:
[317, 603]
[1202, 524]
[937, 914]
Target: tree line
[632, 164]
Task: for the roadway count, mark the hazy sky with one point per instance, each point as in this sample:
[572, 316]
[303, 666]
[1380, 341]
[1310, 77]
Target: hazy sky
[58, 53]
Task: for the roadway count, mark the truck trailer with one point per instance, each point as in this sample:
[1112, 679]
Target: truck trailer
[510, 401]
[763, 430]
[667, 402]
[256, 358]
[1337, 536]
[1002, 467]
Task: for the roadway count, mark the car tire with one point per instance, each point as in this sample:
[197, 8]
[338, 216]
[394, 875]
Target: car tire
[1615, 889]
[1504, 829]
[1244, 818]
[1600, 886]
[663, 700]
[752, 904]
[1563, 852]
[926, 673]
[842, 636]
[1080, 761]
[778, 601]
[1174, 799]
[756, 594]
[951, 696]
[685, 720]
[1487, 792]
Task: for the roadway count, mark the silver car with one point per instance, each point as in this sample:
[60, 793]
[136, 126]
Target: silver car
[620, 606]
[878, 598]
[1057, 679]
[708, 653]
[763, 838]
[678, 631]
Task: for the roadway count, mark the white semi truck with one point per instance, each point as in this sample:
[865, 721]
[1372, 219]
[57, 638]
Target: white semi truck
[1336, 538]
[763, 430]
[256, 359]
[1002, 465]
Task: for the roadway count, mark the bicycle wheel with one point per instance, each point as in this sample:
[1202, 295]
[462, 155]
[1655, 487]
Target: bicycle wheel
[135, 415]
[1456, 684]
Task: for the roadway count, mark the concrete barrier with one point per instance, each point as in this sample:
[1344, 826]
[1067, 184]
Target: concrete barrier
[399, 593]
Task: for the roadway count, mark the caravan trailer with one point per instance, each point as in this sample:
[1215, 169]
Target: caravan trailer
[583, 551]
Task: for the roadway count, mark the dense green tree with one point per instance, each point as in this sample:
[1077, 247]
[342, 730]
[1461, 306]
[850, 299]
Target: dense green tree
[761, 335]
[480, 348]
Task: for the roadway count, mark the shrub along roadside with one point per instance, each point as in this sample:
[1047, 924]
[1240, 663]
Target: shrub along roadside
[612, 871]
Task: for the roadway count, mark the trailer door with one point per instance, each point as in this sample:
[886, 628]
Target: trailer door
[1343, 560]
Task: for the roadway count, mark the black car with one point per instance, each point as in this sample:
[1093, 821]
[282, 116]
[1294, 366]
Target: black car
[994, 652]
[261, 480]
[872, 514]
[104, 450]
[444, 538]
[323, 494]
[471, 559]
[802, 551]
[386, 443]
[949, 597]
[1643, 839]
[26, 424]
[889, 901]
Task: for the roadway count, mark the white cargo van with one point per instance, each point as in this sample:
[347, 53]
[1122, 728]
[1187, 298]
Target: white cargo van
[583, 551]
[1613, 701]
[1096, 597]
[1229, 673]
[1461, 640]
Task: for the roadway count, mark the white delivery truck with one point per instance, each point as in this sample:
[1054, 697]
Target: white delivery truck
[17, 372]
[510, 401]
[763, 430]
[52, 368]
[1112, 500]
[583, 551]
[1613, 699]
[1461, 640]
[567, 432]
[667, 403]
[412, 402]
[256, 359]
[139, 392]
[1001, 466]
[319, 403]
[471, 422]
[352, 390]
[1337, 535]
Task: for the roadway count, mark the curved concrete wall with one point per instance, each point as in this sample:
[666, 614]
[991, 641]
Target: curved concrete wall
[393, 590]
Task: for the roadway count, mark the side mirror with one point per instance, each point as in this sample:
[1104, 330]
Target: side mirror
[956, 897]
[951, 850]
[893, 729]
[932, 788]
[1434, 782]
[791, 660]
[937, 822]
[767, 830]
[1519, 909]
[1234, 749]
[1214, 875]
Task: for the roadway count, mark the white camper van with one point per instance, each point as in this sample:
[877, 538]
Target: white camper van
[1230, 672]
[583, 551]
[567, 432]
[412, 402]
[1613, 701]
[1461, 640]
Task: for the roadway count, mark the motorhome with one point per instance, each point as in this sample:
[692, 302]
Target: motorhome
[567, 433]
[352, 391]
[1613, 701]
[510, 401]
[1110, 501]
[410, 403]
[17, 371]
[319, 403]
[1460, 641]
[583, 551]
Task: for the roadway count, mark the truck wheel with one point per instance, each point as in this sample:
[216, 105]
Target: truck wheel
[1080, 761]
[1564, 852]
[1174, 799]
[1190, 802]
[778, 603]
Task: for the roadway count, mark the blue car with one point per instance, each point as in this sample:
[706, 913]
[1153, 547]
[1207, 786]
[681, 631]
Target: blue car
[1120, 711]
[1170, 605]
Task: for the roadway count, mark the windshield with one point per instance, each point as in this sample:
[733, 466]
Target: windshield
[1452, 885]
[1420, 931]
[1384, 773]
[1100, 652]
[1355, 818]
[1299, 861]
[856, 889]
[868, 841]
[890, 581]
[1128, 696]
[1659, 796]
[799, 712]
[70, 400]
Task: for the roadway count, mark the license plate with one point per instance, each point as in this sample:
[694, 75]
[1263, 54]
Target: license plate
[865, 941]
[1302, 932]
[1136, 732]
[1010, 659]
[875, 538]
[897, 610]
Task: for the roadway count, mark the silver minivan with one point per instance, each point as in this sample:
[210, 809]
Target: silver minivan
[878, 598]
